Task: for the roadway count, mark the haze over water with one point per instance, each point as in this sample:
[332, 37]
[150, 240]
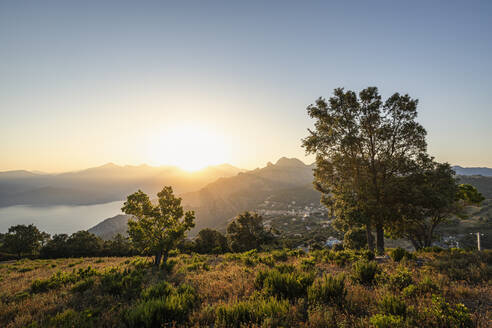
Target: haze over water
[58, 219]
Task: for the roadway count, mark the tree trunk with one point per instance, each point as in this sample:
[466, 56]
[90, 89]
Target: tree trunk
[370, 238]
[166, 255]
[380, 239]
[157, 261]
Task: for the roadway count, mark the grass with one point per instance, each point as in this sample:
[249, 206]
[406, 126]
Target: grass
[278, 289]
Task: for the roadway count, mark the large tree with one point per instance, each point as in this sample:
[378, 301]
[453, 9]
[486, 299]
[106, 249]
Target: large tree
[361, 145]
[157, 229]
[24, 240]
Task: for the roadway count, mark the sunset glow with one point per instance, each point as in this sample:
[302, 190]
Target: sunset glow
[191, 147]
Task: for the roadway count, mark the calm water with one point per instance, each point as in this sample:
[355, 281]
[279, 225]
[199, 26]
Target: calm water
[58, 219]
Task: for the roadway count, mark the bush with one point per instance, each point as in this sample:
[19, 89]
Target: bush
[443, 314]
[161, 289]
[365, 272]
[122, 283]
[289, 285]
[83, 285]
[328, 290]
[392, 305]
[280, 255]
[473, 267]
[386, 321]
[71, 318]
[400, 253]
[400, 279]
[254, 311]
[154, 312]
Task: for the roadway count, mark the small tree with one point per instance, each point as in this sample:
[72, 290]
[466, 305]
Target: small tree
[84, 243]
[469, 194]
[246, 232]
[156, 229]
[22, 239]
[211, 241]
[56, 247]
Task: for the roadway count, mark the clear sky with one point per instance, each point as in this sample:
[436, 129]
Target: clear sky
[88, 82]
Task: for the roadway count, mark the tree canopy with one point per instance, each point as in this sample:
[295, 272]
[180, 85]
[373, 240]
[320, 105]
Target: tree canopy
[156, 229]
[361, 145]
[246, 232]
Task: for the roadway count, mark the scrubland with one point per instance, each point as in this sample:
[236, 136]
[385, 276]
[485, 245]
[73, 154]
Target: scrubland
[281, 288]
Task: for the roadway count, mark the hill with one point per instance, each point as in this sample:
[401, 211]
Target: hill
[485, 171]
[101, 184]
[110, 227]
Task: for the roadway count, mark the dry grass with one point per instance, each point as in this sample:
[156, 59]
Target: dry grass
[226, 280]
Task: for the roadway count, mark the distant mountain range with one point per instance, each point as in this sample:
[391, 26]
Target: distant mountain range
[484, 171]
[101, 184]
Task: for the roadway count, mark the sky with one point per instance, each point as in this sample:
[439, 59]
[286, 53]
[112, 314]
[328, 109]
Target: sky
[195, 83]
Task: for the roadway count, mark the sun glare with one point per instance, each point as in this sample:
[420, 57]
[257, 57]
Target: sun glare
[190, 147]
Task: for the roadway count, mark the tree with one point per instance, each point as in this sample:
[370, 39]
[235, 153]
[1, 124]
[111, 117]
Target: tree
[469, 194]
[22, 239]
[355, 238]
[156, 229]
[84, 243]
[426, 198]
[361, 144]
[118, 246]
[211, 241]
[246, 232]
[56, 247]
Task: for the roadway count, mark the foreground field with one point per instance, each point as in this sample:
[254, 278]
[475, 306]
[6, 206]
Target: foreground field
[276, 289]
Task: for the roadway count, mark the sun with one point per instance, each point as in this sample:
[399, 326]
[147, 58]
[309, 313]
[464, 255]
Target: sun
[191, 147]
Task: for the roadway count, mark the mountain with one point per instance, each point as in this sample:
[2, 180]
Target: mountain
[110, 227]
[485, 171]
[109, 182]
[287, 181]
[223, 199]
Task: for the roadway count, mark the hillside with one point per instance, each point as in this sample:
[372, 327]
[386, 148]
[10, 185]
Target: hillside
[101, 184]
[110, 227]
[287, 180]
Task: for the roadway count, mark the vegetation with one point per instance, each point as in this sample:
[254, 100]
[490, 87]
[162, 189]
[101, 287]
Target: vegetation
[447, 288]
[157, 229]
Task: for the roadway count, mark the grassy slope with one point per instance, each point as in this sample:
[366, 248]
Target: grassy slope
[225, 279]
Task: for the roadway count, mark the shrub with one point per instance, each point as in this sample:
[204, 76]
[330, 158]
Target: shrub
[153, 312]
[254, 311]
[122, 283]
[290, 284]
[365, 272]
[399, 253]
[392, 305]
[71, 318]
[473, 267]
[427, 285]
[83, 285]
[161, 289]
[386, 321]
[308, 264]
[401, 279]
[328, 290]
[446, 315]
[280, 255]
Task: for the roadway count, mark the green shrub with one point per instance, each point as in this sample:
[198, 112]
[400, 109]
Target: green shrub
[154, 312]
[410, 291]
[400, 279]
[386, 321]
[392, 305]
[308, 264]
[399, 254]
[427, 285]
[268, 260]
[71, 318]
[290, 284]
[159, 290]
[254, 311]
[329, 290]
[83, 285]
[122, 283]
[280, 255]
[365, 272]
[447, 315]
